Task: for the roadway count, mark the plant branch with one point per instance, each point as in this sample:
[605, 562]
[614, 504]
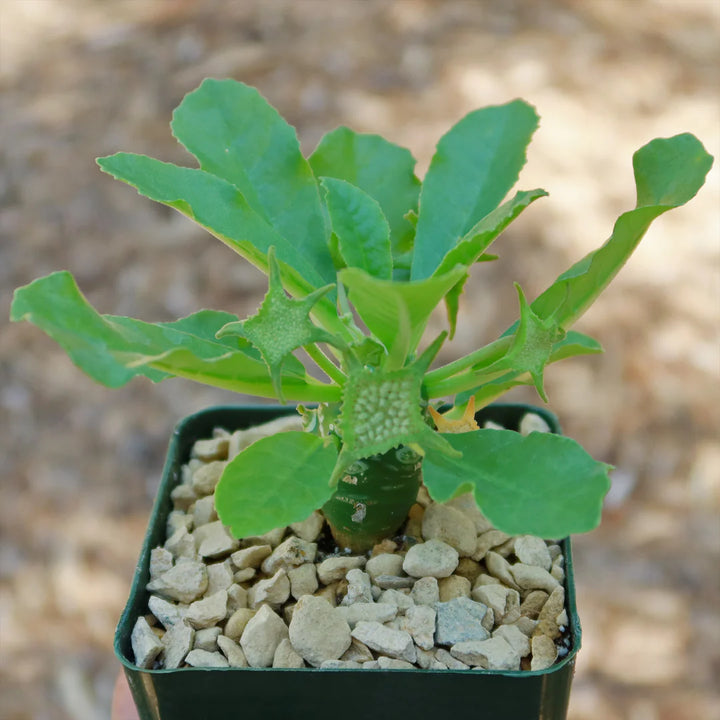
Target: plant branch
[325, 364]
[485, 355]
[310, 391]
[460, 383]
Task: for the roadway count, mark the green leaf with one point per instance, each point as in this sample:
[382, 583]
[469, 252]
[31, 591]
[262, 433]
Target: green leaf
[276, 481]
[230, 373]
[573, 344]
[477, 240]
[472, 246]
[452, 304]
[238, 136]
[668, 173]
[206, 324]
[55, 304]
[361, 228]
[368, 351]
[280, 326]
[217, 206]
[397, 312]
[542, 484]
[476, 163]
[112, 350]
[385, 171]
[203, 324]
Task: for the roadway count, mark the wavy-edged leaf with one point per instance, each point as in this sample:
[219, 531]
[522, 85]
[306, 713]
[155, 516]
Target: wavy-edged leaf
[361, 229]
[237, 135]
[541, 484]
[276, 481]
[385, 171]
[54, 303]
[112, 349]
[217, 206]
[476, 164]
[668, 173]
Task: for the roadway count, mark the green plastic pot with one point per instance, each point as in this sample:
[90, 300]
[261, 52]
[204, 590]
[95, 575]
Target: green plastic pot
[220, 693]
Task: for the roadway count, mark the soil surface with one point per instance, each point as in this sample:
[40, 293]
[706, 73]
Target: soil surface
[82, 78]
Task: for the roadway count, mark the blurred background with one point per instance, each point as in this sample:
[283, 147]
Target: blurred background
[80, 463]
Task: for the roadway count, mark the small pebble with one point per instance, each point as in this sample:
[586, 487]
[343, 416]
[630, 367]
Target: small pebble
[384, 564]
[214, 540]
[450, 662]
[250, 557]
[261, 636]
[303, 580]
[317, 631]
[492, 654]
[185, 582]
[145, 643]
[446, 523]
[544, 652]
[532, 550]
[393, 643]
[161, 560]
[206, 477]
[359, 589]
[291, 552]
[460, 620]
[237, 621]
[274, 591]
[205, 659]
[232, 651]
[286, 657]
[433, 558]
[370, 612]
[206, 639]
[178, 641]
[207, 612]
[335, 568]
[532, 422]
[426, 591]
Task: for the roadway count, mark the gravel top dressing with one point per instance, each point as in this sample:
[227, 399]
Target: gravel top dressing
[449, 592]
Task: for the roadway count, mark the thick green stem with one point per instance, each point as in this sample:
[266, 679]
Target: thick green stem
[373, 499]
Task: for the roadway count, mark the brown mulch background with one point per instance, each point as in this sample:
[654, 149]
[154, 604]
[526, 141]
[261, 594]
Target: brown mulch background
[83, 78]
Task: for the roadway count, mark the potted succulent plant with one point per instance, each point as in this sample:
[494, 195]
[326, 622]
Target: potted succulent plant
[358, 253]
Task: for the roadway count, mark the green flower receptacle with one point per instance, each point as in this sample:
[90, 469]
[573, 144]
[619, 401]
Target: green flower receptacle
[220, 693]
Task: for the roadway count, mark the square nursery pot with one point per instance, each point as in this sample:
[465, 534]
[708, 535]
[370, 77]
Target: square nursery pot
[202, 693]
